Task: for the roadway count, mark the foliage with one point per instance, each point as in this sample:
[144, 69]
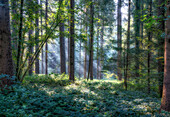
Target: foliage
[94, 98]
[52, 80]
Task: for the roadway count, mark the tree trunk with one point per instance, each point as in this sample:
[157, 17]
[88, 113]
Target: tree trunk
[30, 49]
[149, 45]
[165, 104]
[85, 47]
[62, 43]
[6, 62]
[90, 72]
[46, 46]
[142, 22]
[68, 42]
[42, 52]
[37, 71]
[161, 27]
[71, 75]
[137, 35]
[80, 51]
[128, 46]
[14, 24]
[102, 51]
[19, 40]
[30, 37]
[119, 39]
[97, 52]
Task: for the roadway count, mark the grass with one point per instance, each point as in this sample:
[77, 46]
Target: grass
[52, 96]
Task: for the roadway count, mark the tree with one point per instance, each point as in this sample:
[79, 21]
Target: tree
[30, 36]
[128, 46]
[30, 49]
[71, 64]
[85, 46]
[6, 62]
[80, 50]
[62, 42]
[98, 59]
[137, 35]
[165, 103]
[19, 39]
[37, 70]
[42, 52]
[14, 25]
[149, 44]
[161, 27]
[46, 45]
[119, 39]
[90, 71]
[102, 50]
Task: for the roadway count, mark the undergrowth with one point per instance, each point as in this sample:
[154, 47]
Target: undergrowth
[55, 95]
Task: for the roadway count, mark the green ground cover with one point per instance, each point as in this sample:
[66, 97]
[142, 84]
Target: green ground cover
[41, 96]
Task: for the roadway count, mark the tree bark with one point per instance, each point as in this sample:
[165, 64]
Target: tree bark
[161, 27]
[119, 39]
[85, 47]
[46, 46]
[137, 35]
[165, 103]
[80, 51]
[62, 43]
[14, 24]
[42, 52]
[128, 46]
[71, 75]
[98, 52]
[30, 49]
[30, 37]
[37, 71]
[149, 45]
[6, 62]
[90, 72]
[68, 42]
[19, 40]
[102, 51]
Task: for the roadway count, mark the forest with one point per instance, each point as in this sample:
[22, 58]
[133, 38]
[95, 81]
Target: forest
[84, 58]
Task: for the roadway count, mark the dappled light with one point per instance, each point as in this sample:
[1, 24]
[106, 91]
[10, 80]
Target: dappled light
[95, 98]
[84, 58]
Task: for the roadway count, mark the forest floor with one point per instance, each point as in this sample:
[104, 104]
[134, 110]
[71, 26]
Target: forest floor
[51, 97]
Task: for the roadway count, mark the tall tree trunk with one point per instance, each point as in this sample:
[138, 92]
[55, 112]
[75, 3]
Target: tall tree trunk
[30, 49]
[161, 27]
[90, 72]
[119, 39]
[80, 51]
[141, 44]
[98, 52]
[71, 75]
[85, 49]
[6, 62]
[37, 71]
[137, 35]
[68, 42]
[102, 51]
[46, 46]
[30, 37]
[42, 52]
[128, 46]
[165, 104]
[142, 22]
[62, 43]
[149, 45]
[19, 40]
[14, 24]
[68, 50]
